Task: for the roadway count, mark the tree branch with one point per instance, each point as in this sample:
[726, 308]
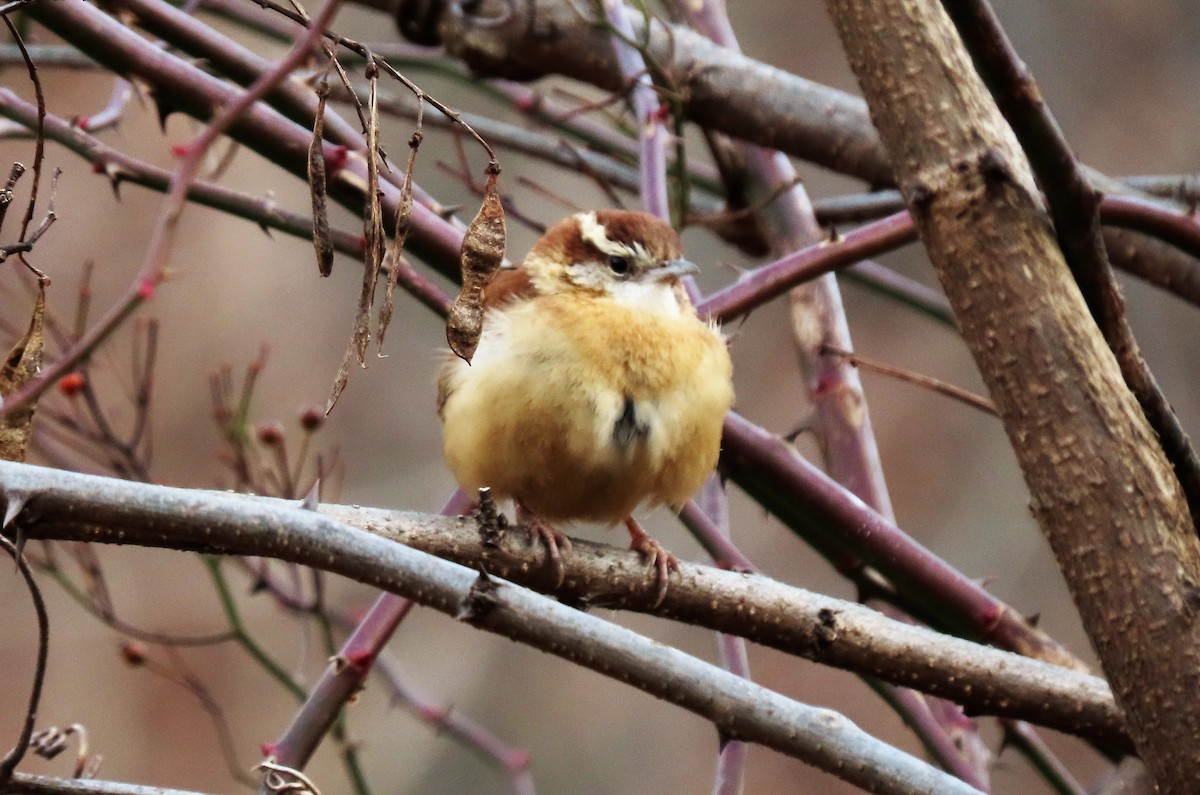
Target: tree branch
[102, 510]
[88, 508]
[1102, 491]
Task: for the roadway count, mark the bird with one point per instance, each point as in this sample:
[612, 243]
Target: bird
[595, 387]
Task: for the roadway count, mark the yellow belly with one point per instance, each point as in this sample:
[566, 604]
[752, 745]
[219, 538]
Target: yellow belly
[583, 410]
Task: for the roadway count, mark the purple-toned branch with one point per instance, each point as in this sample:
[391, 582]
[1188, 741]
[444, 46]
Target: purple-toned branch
[342, 679]
[809, 500]
[770, 281]
[119, 167]
[1152, 218]
[652, 162]
[931, 729]
[446, 720]
[841, 419]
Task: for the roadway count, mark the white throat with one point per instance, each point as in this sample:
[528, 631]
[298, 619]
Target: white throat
[647, 296]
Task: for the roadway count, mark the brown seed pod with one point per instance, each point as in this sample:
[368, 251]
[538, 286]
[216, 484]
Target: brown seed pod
[482, 255]
[17, 369]
[322, 238]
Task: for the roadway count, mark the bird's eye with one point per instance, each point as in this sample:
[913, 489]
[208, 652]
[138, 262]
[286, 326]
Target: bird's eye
[619, 265]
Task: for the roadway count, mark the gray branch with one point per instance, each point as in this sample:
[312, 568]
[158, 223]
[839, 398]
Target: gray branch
[68, 505]
[827, 630]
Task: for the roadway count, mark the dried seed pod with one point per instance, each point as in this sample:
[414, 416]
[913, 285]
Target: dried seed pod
[482, 255]
[322, 239]
[19, 368]
[403, 223]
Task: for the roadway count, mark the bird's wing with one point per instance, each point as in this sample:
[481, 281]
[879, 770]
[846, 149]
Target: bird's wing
[510, 284]
[505, 287]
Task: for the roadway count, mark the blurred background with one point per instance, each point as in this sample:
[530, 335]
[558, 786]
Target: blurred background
[1122, 80]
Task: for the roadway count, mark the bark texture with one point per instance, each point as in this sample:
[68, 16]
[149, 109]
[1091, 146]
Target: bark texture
[722, 89]
[1102, 490]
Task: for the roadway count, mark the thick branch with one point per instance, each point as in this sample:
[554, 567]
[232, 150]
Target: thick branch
[1103, 492]
[724, 89]
[24, 784]
[62, 504]
[845, 634]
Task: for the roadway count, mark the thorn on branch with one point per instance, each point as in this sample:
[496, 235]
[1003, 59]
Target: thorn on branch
[490, 521]
[480, 600]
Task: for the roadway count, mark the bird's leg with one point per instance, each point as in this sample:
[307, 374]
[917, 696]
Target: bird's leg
[662, 560]
[551, 537]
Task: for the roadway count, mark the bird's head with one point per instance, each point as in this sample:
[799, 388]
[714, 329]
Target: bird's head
[630, 256]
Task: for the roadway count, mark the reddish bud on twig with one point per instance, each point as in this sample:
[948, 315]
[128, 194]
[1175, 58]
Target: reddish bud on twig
[335, 160]
[269, 433]
[360, 659]
[133, 653]
[71, 383]
[312, 418]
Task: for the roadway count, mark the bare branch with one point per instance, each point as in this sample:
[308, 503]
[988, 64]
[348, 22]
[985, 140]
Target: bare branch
[818, 627]
[125, 512]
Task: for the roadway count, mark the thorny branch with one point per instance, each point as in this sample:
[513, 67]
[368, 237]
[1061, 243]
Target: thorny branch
[601, 576]
[238, 525]
[760, 298]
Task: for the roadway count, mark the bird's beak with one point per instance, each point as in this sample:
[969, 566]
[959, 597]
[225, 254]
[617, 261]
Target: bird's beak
[672, 269]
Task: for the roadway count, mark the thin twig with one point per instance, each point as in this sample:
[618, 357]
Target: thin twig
[10, 761]
[39, 154]
[899, 373]
[153, 267]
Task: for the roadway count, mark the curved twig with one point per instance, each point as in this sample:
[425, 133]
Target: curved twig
[14, 756]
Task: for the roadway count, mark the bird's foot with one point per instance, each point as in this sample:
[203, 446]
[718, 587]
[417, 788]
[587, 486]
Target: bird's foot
[550, 537]
[663, 561]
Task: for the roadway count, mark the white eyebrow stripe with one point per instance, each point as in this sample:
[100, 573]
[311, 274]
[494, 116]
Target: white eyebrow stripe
[592, 231]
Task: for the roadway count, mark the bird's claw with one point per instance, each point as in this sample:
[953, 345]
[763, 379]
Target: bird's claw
[659, 558]
[555, 543]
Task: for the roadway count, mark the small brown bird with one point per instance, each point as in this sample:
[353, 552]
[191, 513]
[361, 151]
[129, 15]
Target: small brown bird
[595, 387]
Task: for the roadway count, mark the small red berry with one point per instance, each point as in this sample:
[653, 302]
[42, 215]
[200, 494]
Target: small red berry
[133, 653]
[362, 659]
[71, 383]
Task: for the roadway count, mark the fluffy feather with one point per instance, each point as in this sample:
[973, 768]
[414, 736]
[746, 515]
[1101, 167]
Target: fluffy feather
[592, 391]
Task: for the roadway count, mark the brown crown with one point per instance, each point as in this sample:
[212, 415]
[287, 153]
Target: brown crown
[563, 243]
